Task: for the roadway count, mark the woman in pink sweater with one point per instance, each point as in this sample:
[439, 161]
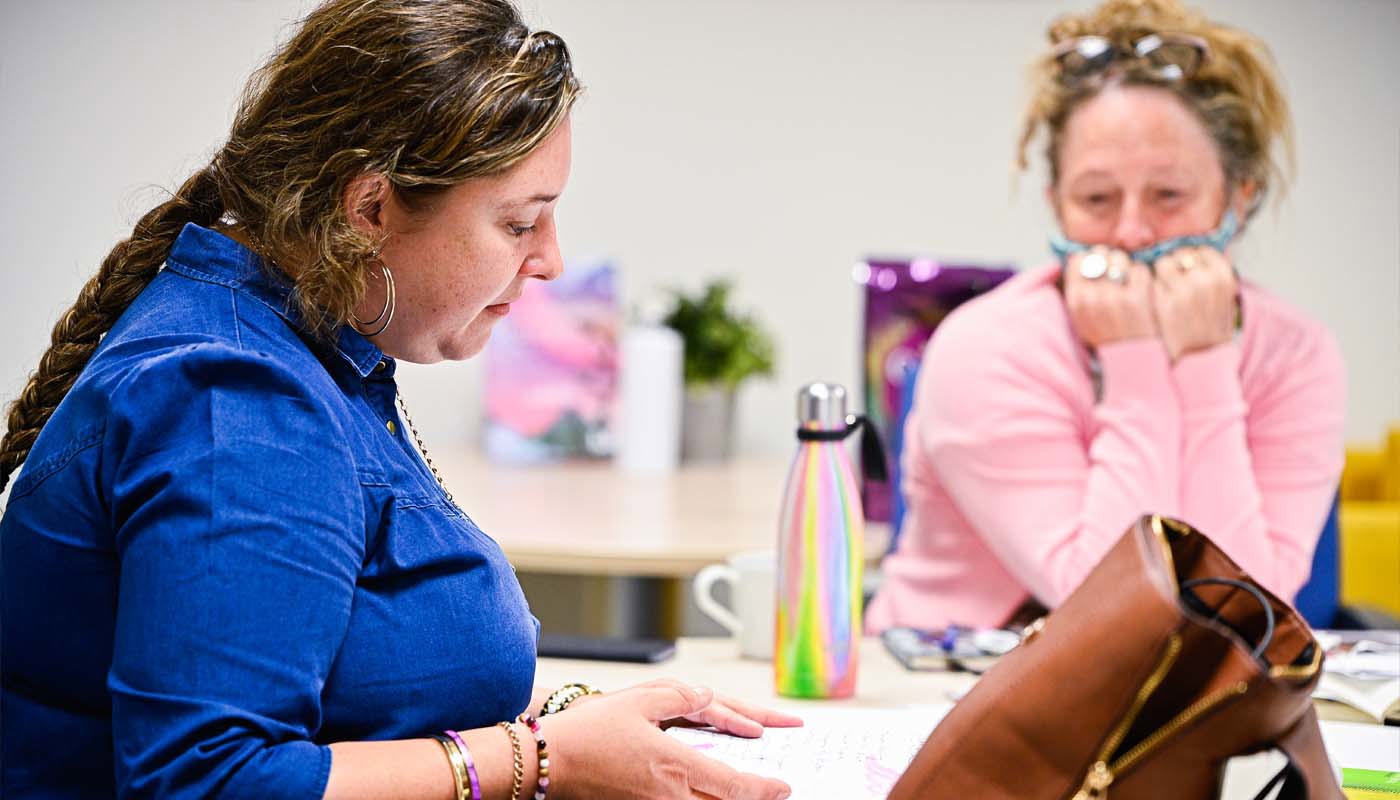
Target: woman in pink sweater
[1137, 373]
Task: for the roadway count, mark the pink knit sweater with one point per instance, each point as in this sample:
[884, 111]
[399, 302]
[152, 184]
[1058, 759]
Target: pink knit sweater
[1018, 483]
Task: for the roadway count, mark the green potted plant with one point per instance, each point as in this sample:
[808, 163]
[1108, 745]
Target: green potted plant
[722, 349]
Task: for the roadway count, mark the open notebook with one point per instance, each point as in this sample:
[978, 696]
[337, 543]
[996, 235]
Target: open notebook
[839, 752]
[1339, 697]
[858, 754]
[1361, 676]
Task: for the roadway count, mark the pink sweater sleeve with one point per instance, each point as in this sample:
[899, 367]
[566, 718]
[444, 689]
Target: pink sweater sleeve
[1261, 472]
[1047, 486]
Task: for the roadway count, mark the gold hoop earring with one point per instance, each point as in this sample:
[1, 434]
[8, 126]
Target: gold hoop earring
[386, 314]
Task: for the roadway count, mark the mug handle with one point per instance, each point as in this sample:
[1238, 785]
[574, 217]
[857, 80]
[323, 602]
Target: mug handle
[705, 580]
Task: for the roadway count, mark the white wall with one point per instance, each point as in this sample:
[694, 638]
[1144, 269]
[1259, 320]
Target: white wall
[772, 140]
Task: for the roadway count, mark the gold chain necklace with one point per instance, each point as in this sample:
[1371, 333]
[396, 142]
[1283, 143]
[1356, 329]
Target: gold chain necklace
[427, 459]
[261, 252]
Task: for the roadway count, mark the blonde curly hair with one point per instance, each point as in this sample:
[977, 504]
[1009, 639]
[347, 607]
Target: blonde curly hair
[1235, 92]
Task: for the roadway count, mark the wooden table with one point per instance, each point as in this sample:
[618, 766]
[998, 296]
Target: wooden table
[590, 518]
[881, 681]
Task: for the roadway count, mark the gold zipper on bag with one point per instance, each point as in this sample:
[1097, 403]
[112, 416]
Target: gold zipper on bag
[1160, 524]
[1196, 709]
[1100, 775]
[1096, 782]
[1299, 673]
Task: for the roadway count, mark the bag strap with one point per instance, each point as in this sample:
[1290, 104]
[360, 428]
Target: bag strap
[872, 448]
[1200, 607]
[1293, 786]
[1308, 774]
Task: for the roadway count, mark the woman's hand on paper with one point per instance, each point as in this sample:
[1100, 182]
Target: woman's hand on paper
[725, 714]
[613, 746]
[737, 718]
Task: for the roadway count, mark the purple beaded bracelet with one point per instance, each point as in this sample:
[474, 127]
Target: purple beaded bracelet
[542, 782]
[471, 765]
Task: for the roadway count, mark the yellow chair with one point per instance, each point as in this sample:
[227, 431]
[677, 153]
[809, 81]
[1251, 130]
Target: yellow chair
[1369, 520]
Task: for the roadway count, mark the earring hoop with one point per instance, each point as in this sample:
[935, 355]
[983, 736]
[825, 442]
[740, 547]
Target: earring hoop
[386, 314]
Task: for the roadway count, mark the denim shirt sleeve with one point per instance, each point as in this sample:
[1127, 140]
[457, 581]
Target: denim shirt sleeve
[240, 532]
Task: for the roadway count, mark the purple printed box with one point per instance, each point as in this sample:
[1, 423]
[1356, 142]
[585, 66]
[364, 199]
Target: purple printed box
[551, 370]
[905, 299]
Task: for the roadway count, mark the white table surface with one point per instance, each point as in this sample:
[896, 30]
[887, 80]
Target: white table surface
[883, 683]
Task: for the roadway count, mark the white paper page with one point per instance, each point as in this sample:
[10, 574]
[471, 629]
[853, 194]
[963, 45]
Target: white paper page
[1356, 745]
[860, 753]
[849, 753]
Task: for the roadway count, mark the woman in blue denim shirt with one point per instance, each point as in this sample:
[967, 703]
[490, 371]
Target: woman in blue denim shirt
[226, 569]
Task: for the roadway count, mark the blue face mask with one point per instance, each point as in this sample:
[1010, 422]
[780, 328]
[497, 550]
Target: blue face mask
[1220, 237]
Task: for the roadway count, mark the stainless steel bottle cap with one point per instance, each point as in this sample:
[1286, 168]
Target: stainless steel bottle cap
[822, 405]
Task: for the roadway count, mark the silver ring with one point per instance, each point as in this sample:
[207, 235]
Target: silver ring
[1093, 266]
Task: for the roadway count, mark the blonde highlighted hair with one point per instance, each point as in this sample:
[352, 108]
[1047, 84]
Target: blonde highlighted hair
[427, 93]
[1235, 92]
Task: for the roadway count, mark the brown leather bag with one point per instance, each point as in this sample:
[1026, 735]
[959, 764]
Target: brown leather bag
[1167, 661]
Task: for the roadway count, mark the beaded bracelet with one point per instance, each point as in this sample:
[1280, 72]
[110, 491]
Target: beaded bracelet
[474, 792]
[542, 782]
[560, 698]
[459, 766]
[517, 776]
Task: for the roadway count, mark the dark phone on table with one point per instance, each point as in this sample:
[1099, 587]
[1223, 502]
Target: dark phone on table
[605, 648]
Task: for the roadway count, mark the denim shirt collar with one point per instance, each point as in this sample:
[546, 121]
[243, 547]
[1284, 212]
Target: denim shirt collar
[208, 255]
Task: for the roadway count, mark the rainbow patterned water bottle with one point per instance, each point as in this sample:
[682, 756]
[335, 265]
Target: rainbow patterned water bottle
[820, 554]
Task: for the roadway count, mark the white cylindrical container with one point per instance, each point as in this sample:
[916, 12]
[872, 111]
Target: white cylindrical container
[649, 400]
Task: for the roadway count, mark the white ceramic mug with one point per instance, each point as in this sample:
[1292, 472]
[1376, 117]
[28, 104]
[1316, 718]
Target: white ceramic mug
[752, 594]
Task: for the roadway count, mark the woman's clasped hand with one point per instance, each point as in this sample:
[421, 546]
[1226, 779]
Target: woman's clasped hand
[1188, 298]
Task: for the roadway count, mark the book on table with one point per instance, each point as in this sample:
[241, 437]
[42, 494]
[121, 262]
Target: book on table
[1361, 677]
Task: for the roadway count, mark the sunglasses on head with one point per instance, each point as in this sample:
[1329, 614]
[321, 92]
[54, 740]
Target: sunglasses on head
[1168, 56]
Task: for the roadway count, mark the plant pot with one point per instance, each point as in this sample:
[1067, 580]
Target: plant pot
[707, 423]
